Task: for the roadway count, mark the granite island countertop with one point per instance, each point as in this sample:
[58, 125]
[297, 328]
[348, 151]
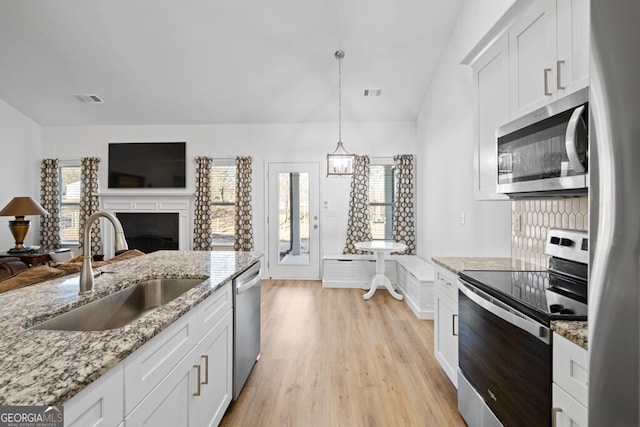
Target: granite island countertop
[47, 367]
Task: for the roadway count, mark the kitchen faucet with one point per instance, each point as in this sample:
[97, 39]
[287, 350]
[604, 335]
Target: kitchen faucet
[86, 275]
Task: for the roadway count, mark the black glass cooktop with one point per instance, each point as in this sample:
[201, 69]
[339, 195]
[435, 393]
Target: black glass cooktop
[539, 294]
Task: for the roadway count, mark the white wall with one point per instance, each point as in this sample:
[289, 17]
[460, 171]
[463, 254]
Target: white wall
[20, 139]
[445, 152]
[264, 142]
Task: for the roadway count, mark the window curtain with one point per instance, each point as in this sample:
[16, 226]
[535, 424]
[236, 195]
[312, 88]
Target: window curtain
[403, 209]
[50, 200]
[202, 239]
[89, 203]
[243, 228]
[358, 225]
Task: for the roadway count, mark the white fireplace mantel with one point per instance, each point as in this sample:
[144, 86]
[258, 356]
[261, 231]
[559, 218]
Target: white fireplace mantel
[148, 202]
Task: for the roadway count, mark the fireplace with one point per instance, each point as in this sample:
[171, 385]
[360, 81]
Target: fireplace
[154, 206]
[150, 231]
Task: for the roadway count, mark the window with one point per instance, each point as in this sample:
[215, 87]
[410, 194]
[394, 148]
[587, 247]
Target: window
[381, 192]
[223, 201]
[69, 181]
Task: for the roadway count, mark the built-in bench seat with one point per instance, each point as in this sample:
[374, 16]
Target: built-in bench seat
[413, 276]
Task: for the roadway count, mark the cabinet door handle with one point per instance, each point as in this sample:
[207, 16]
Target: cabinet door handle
[546, 82]
[197, 393]
[206, 369]
[453, 325]
[554, 416]
[559, 64]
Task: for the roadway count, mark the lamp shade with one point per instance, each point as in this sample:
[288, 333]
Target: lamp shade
[22, 206]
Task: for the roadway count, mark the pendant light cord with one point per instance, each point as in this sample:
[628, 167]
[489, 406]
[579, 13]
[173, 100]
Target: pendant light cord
[339, 54]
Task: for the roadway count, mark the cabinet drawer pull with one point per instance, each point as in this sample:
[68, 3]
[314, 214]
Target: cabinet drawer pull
[197, 393]
[546, 82]
[554, 416]
[453, 325]
[559, 64]
[206, 369]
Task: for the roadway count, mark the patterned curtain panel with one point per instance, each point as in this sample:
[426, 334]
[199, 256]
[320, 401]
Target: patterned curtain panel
[89, 203]
[50, 200]
[358, 225]
[243, 229]
[202, 209]
[403, 209]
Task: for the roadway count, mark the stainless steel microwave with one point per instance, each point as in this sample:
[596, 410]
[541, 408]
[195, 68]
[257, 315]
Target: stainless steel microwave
[546, 152]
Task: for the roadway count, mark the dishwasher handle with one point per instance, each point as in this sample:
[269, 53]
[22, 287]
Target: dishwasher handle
[245, 286]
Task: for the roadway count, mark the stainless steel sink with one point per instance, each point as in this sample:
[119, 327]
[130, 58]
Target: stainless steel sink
[120, 308]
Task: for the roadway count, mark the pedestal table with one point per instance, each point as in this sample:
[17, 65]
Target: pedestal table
[380, 248]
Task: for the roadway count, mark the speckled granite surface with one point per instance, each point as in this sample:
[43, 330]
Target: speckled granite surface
[457, 264]
[576, 332]
[50, 367]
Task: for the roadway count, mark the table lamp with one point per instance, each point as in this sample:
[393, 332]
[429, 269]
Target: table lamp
[19, 227]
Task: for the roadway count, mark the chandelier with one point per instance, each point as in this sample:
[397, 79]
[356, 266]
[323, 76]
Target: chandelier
[340, 162]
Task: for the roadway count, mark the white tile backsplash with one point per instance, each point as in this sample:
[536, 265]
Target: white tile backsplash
[532, 218]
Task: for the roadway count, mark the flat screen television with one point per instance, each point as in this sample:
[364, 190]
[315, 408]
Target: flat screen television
[147, 165]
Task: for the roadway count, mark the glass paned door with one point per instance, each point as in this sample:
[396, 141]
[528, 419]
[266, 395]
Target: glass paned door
[293, 220]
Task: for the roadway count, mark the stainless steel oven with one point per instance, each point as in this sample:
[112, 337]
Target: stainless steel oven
[506, 360]
[504, 334]
[547, 150]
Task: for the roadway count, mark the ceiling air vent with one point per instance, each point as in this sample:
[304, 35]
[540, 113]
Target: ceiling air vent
[91, 99]
[372, 92]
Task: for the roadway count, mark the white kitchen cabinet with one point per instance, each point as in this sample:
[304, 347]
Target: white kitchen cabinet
[171, 401]
[491, 110]
[548, 53]
[566, 411]
[198, 390]
[445, 343]
[570, 383]
[574, 45]
[151, 363]
[215, 356]
[532, 50]
[100, 403]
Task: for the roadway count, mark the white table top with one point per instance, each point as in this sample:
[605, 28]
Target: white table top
[381, 245]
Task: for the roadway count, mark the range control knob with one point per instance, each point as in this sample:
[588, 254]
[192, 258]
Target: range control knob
[566, 242]
[554, 308]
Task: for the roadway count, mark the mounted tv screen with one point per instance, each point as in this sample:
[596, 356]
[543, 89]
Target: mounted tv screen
[147, 165]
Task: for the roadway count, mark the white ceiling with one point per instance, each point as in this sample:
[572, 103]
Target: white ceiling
[219, 61]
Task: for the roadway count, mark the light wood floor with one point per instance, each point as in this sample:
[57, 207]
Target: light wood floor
[330, 358]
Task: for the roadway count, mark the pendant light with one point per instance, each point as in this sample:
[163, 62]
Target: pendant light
[340, 162]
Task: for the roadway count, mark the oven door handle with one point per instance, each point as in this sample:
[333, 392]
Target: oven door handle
[571, 140]
[506, 313]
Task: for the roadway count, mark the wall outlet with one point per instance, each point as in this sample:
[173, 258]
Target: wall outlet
[462, 218]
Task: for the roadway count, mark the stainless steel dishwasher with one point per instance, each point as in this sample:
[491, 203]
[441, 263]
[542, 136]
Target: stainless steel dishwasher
[246, 324]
